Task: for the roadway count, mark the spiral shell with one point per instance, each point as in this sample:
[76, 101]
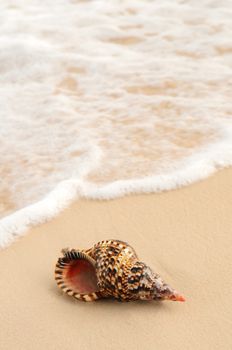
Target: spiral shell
[110, 269]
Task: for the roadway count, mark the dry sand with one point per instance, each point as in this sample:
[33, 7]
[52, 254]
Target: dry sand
[185, 235]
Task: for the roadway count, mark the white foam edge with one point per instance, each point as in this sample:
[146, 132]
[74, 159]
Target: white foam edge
[197, 167]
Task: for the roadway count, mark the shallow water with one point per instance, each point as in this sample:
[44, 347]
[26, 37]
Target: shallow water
[112, 96]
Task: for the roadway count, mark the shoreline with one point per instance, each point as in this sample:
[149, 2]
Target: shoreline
[184, 235]
[66, 193]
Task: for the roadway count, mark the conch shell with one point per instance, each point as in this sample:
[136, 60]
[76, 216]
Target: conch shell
[110, 269]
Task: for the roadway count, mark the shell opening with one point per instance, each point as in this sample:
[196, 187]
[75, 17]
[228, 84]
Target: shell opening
[76, 274]
[81, 276]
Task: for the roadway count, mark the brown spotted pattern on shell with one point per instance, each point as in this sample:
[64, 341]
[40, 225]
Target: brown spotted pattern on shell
[110, 269]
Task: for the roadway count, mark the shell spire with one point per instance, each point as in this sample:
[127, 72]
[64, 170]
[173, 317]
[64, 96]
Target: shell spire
[110, 269]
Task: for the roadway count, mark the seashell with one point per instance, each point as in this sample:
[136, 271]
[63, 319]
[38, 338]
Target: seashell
[110, 269]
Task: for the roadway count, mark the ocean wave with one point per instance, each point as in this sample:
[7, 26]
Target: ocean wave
[102, 99]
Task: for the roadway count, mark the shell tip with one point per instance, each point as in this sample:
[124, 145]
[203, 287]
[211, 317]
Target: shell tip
[177, 297]
[180, 298]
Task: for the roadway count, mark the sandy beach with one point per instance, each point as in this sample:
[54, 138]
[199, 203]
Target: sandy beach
[185, 235]
[119, 112]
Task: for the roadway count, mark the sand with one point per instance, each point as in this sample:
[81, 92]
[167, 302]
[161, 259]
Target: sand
[185, 235]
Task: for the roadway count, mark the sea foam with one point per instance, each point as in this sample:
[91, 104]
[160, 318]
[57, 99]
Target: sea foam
[100, 99]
